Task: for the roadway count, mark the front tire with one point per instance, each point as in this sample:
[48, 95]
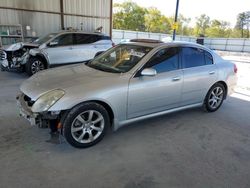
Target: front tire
[215, 97]
[34, 65]
[86, 124]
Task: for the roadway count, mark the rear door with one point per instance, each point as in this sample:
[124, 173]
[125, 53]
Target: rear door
[199, 74]
[87, 45]
[150, 94]
[84, 49]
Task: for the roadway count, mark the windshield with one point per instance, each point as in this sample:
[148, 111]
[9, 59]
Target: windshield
[44, 39]
[119, 59]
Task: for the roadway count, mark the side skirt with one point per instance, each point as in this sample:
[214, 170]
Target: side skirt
[118, 124]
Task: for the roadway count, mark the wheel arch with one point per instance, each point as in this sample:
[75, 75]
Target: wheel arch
[225, 86]
[43, 58]
[100, 102]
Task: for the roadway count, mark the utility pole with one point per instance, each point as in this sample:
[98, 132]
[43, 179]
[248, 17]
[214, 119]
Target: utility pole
[175, 25]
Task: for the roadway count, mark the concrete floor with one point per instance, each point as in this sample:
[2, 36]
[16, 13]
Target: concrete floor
[186, 149]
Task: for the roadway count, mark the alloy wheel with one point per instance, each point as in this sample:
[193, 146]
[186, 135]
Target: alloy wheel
[216, 97]
[37, 66]
[87, 126]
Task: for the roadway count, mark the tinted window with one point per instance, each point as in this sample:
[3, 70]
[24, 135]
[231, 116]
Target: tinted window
[165, 60]
[86, 38]
[64, 40]
[101, 37]
[192, 57]
[208, 58]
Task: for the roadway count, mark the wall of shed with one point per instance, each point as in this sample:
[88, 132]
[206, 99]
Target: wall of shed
[44, 16]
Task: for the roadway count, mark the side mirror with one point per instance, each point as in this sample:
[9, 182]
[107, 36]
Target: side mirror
[53, 43]
[148, 72]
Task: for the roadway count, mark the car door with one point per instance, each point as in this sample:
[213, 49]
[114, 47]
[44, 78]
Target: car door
[150, 94]
[60, 50]
[199, 74]
[84, 49]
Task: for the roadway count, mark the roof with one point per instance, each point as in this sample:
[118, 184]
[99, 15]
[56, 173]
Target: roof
[156, 43]
[78, 31]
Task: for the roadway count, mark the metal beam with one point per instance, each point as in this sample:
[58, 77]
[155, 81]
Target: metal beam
[61, 14]
[111, 18]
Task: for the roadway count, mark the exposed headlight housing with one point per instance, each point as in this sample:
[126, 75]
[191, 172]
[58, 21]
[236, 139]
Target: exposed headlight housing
[47, 100]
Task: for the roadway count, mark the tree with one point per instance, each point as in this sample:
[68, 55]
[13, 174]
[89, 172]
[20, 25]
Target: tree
[219, 28]
[183, 27]
[156, 22]
[129, 16]
[202, 23]
[243, 22]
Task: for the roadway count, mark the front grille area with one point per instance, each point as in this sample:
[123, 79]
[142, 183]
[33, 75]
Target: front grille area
[28, 101]
[3, 55]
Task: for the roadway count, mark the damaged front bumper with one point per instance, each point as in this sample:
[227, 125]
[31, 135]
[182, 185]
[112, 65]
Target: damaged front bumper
[12, 63]
[25, 110]
[41, 120]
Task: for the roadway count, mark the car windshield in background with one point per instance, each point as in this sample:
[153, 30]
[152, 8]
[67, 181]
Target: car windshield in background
[44, 39]
[120, 59]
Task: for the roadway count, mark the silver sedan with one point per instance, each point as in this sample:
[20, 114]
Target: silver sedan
[129, 82]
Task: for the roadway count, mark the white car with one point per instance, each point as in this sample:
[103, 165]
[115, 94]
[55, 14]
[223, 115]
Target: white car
[55, 49]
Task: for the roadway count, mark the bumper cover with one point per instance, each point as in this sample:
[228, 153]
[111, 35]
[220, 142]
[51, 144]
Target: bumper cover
[25, 111]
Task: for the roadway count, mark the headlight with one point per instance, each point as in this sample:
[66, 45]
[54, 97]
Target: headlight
[47, 100]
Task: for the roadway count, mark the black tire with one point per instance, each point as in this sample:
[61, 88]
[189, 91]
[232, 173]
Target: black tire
[212, 96]
[74, 120]
[34, 65]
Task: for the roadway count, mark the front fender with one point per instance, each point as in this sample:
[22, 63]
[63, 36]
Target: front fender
[39, 53]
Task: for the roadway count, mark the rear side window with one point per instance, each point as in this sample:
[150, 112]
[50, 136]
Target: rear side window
[192, 57]
[102, 37]
[165, 60]
[208, 58]
[85, 38]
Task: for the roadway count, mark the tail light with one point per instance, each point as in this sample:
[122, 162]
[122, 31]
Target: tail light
[235, 69]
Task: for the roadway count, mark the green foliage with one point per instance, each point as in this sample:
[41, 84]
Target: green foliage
[202, 23]
[243, 23]
[218, 29]
[130, 16]
[156, 22]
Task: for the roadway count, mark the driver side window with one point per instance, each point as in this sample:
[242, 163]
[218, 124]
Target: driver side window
[64, 40]
[165, 60]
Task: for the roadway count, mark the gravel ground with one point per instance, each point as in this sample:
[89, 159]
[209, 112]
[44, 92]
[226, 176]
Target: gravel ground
[186, 149]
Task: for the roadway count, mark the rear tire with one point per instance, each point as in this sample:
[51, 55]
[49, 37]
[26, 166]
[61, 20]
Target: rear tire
[86, 124]
[214, 97]
[34, 65]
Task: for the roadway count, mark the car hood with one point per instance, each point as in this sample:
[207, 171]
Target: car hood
[19, 45]
[66, 78]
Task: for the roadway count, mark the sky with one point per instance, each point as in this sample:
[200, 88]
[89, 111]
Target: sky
[226, 10]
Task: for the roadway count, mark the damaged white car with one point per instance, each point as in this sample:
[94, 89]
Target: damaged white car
[54, 49]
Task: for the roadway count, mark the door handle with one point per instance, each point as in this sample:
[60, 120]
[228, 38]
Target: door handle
[71, 48]
[212, 72]
[177, 78]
